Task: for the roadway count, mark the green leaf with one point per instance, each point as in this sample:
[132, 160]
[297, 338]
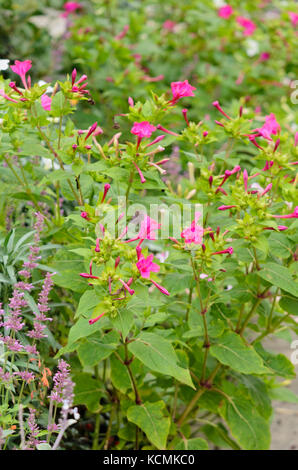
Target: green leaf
[87, 392]
[82, 329]
[249, 429]
[279, 276]
[123, 321]
[43, 446]
[276, 363]
[192, 444]
[279, 245]
[231, 351]
[88, 301]
[289, 304]
[159, 355]
[92, 351]
[149, 417]
[119, 375]
[284, 394]
[259, 394]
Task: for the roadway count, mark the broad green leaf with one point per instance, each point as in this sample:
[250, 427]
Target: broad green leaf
[259, 394]
[279, 276]
[192, 444]
[284, 394]
[92, 351]
[88, 301]
[119, 375]
[279, 245]
[289, 304]
[123, 322]
[149, 417]
[249, 429]
[87, 392]
[276, 363]
[232, 351]
[159, 355]
[82, 329]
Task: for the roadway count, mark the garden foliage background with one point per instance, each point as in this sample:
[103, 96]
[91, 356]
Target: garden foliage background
[155, 343]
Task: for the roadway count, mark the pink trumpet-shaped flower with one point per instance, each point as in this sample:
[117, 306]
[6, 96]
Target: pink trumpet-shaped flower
[228, 250]
[167, 131]
[131, 102]
[105, 192]
[280, 227]
[70, 7]
[85, 215]
[180, 90]
[4, 95]
[142, 177]
[91, 130]
[143, 129]
[248, 25]
[225, 208]
[225, 12]
[88, 276]
[245, 179]
[21, 68]
[268, 188]
[97, 248]
[194, 233]
[146, 266]
[184, 112]
[271, 126]
[296, 139]
[219, 108]
[126, 286]
[294, 18]
[46, 102]
[156, 140]
[293, 215]
[162, 289]
[94, 320]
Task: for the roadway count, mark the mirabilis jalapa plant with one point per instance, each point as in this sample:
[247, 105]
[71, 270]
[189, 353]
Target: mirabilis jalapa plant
[168, 331]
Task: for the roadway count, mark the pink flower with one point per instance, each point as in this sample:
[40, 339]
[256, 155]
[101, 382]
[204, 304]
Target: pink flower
[225, 208]
[162, 289]
[222, 252]
[169, 25]
[294, 215]
[4, 95]
[21, 68]
[294, 18]
[264, 56]
[194, 233]
[123, 33]
[248, 25]
[146, 266]
[271, 126]
[70, 7]
[225, 12]
[181, 89]
[46, 102]
[143, 129]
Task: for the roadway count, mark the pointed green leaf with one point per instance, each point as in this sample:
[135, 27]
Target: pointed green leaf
[159, 355]
[232, 351]
[149, 417]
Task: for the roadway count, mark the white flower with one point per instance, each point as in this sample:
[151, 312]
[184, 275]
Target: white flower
[4, 64]
[50, 89]
[252, 47]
